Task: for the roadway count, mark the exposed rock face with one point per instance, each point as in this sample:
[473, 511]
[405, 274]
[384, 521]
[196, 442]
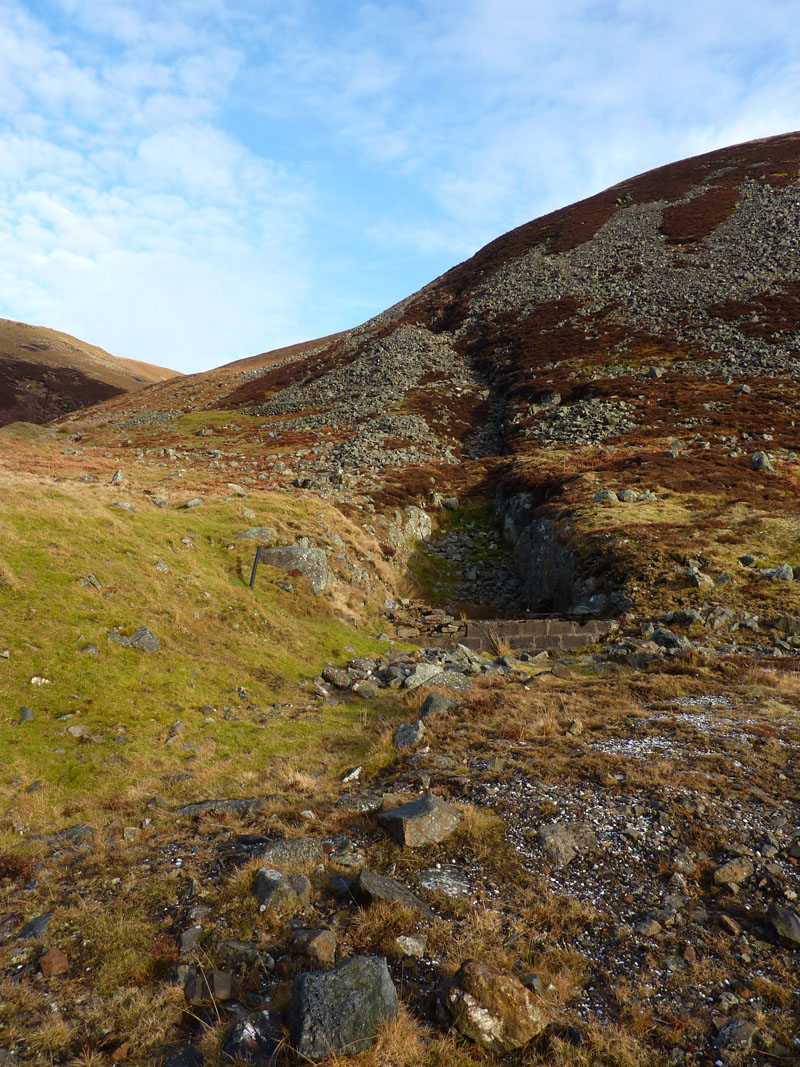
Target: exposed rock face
[492, 1008]
[339, 1011]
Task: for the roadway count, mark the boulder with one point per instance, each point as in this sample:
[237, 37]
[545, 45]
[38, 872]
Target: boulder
[760, 461]
[421, 675]
[492, 1007]
[562, 842]
[265, 534]
[369, 888]
[312, 563]
[145, 640]
[409, 735]
[786, 924]
[436, 704]
[425, 821]
[734, 872]
[340, 1011]
[276, 889]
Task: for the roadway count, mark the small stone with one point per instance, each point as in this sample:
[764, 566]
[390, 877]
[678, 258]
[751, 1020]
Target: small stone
[145, 640]
[191, 937]
[53, 963]
[734, 872]
[318, 945]
[186, 1056]
[648, 928]
[195, 502]
[117, 478]
[369, 888]
[255, 1039]
[736, 1035]
[25, 714]
[412, 945]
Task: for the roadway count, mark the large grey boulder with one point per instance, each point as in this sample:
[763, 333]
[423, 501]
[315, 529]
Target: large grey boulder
[340, 1011]
[312, 563]
[786, 924]
[425, 821]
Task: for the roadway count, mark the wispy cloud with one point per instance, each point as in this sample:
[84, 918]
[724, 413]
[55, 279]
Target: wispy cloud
[193, 182]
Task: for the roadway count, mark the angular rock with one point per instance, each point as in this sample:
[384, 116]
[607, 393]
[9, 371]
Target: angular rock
[201, 986]
[340, 1011]
[36, 928]
[276, 889]
[409, 735]
[412, 945]
[421, 675]
[257, 533]
[734, 872]
[145, 640]
[318, 945]
[369, 888]
[338, 676]
[563, 841]
[786, 924]
[312, 563]
[289, 852]
[760, 461]
[736, 1035]
[425, 821]
[53, 963]
[492, 1007]
[255, 1039]
[436, 704]
[25, 715]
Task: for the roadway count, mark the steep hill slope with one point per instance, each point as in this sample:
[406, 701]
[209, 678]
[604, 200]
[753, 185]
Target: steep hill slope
[45, 373]
[644, 340]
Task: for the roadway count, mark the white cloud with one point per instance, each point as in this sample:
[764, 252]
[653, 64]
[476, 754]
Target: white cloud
[212, 177]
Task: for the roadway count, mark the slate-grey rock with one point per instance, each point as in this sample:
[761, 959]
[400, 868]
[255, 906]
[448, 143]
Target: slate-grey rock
[195, 502]
[145, 640]
[254, 1039]
[202, 985]
[369, 888]
[435, 704]
[492, 1007]
[409, 735]
[25, 715]
[446, 878]
[786, 924]
[289, 852]
[338, 676]
[760, 461]
[36, 928]
[736, 1035]
[425, 821]
[312, 563]
[265, 534]
[186, 1056]
[340, 1011]
[453, 680]
[421, 675]
[276, 889]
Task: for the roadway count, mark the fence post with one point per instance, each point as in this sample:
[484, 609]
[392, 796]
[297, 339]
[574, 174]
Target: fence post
[255, 566]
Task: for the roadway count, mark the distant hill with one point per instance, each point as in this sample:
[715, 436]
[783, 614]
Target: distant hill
[45, 373]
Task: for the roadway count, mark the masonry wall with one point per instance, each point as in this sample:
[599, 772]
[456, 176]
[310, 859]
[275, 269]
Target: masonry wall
[528, 635]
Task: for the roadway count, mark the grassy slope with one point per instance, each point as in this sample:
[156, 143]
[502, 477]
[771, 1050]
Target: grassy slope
[217, 635]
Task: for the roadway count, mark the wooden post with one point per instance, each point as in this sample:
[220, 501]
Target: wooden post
[255, 566]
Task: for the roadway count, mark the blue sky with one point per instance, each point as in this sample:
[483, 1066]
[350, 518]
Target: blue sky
[194, 182]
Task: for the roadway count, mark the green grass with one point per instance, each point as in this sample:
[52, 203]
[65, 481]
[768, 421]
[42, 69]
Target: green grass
[217, 636]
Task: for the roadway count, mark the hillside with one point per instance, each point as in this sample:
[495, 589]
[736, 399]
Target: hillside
[45, 373]
[493, 758]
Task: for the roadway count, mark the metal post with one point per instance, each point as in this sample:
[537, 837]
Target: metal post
[255, 566]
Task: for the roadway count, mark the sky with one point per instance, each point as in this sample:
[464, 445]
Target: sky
[193, 182]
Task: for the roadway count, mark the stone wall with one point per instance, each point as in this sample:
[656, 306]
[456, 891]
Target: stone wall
[527, 635]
